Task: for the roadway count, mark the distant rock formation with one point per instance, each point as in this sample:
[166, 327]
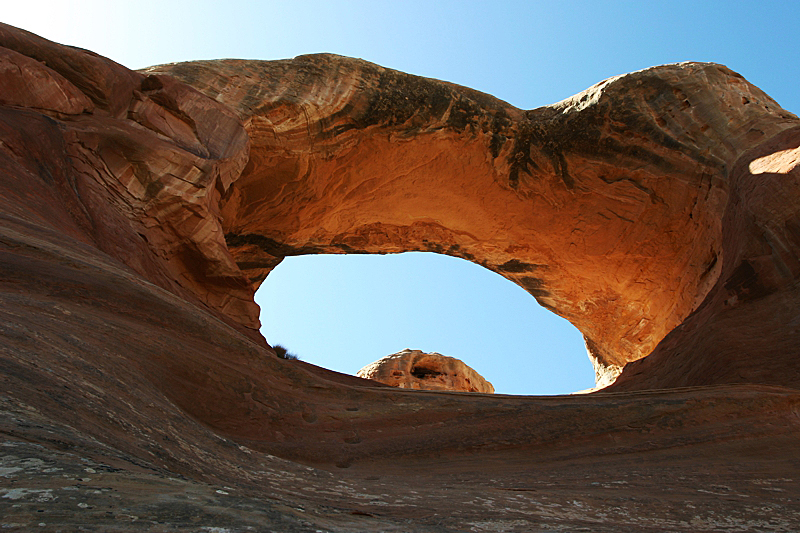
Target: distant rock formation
[415, 369]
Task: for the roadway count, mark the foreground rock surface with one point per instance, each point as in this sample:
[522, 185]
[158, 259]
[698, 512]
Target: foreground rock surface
[658, 211]
[418, 370]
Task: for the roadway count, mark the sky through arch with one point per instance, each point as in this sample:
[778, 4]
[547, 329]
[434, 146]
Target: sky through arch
[345, 311]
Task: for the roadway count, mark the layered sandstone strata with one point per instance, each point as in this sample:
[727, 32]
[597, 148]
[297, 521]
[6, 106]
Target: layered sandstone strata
[418, 370]
[658, 211]
[614, 208]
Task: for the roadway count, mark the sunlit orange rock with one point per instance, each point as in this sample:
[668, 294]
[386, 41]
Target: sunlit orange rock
[658, 211]
[418, 370]
[609, 207]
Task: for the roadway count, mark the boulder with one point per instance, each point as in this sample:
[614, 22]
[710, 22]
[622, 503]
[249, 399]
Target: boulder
[415, 369]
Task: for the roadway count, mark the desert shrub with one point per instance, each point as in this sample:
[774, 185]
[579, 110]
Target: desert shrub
[283, 353]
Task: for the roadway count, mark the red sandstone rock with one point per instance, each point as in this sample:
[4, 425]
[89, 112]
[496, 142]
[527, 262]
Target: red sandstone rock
[608, 207]
[28, 83]
[656, 210]
[147, 160]
[414, 369]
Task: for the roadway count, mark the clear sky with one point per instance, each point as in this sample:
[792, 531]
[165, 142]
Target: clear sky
[343, 312]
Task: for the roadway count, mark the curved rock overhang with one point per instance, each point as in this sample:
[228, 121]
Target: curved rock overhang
[656, 211]
[610, 208]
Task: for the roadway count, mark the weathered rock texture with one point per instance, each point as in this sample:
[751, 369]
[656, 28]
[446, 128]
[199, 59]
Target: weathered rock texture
[612, 207]
[658, 211]
[418, 370]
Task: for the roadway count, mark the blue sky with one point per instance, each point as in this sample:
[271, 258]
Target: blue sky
[343, 312]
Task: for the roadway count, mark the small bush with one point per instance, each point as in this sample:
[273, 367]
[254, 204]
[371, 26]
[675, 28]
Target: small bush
[283, 353]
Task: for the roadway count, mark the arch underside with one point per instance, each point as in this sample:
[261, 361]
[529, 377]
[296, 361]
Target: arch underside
[139, 211]
[608, 207]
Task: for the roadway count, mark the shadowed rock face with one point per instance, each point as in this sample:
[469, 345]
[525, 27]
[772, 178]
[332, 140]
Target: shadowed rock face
[139, 211]
[415, 369]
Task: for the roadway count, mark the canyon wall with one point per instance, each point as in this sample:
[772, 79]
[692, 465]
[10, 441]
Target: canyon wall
[139, 211]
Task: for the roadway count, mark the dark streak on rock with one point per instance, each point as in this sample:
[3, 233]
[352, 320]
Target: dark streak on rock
[271, 246]
[534, 286]
[595, 350]
[516, 266]
[496, 143]
[399, 98]
[263, 263]
[709, 267]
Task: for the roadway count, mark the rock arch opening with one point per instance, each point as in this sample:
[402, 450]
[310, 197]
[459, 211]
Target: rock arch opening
[614, 208]
[344, 312]
[663, 198]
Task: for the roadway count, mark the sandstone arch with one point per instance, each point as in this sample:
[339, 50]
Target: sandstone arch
[129, 328]
[607, 207]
